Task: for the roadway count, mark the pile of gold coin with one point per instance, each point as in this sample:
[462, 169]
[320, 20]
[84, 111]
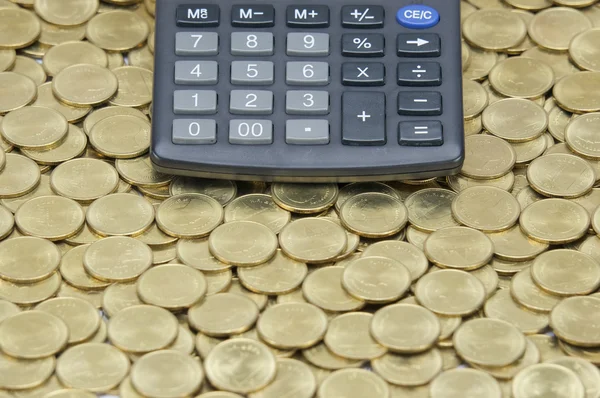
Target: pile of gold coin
[116, 279]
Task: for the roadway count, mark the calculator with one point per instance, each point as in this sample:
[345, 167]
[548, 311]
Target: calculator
[308, 91]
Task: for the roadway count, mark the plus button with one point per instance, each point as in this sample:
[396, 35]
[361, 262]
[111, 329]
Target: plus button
[363, 116]
[313, 14]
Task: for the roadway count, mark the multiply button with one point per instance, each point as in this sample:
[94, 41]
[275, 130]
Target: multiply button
[418, 16]
[366, 17]
[253, 16]
[307, 16]
[198, 15]
[363, 74]
[419, 74]
[418, 45]
[363, 118]
[421, 133]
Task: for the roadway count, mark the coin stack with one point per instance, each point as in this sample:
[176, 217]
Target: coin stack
[116, 279]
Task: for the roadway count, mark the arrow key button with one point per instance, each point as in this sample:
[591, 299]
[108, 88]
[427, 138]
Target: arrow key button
[418, 45]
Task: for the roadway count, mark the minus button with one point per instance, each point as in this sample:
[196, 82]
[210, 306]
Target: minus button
[419, 103]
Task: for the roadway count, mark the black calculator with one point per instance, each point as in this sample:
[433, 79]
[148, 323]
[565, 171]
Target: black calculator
[308, 91]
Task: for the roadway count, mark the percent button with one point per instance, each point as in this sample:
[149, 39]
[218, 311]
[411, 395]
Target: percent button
[363, 45]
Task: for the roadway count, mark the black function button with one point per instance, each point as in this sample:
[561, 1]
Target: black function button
[425, 133]
[365, 17]
[253, 16]
[419, 103]
[363, 74]
[307, 16]
[363, 118]
[198, 15]
[419, 74]
[418, 45]
[363, 45]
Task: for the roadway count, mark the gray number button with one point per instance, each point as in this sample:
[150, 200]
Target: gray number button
[252, 72]
[196, 43]
[307, 132]
[196, 72]
[307, 73]
[251, 43]
[195, 102]
[307, 103]
[246, 102]
[194, 131]
[308, 44]
[250, 132]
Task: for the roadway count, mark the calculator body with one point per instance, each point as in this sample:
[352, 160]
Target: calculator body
[294, 123]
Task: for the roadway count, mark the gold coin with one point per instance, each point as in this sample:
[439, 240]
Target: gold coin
[405, 328]
[189, 215]
[34, 127]
[20, 28]
[28, 259]
[222, 191]
[119, 296]
[204, 344]
[562, 148]
[208, 315]
[493, 29]
[487, 157]
[292, 325]
[32, 293]
[529, 295]
[46, 98]
[8, 58]
[521, 77]
[255, 368]
[36, 50]
[579, 135]
[174, 287]
[305, 198]
[409, 370]
[506, 373]
[450, 293]
[8, 309]
[167, 373]
[475, 99]
[218, 282]
[293, 377]
[74, 12]
[566, 273]
[93, 367]
[103, 113]
[259, 208]
[120, 214]
[16, 91]
[575, 321]
[50, 217]
[73, 272]
[353, 383]
[583, 50]
[457, 383]
[459, 248]
[323, 288]
[235, 287]
[91, 296]
[555, 221]
[514, 245]
[142, 328]
[70, 393]
[84, 85]
[481, 63]
[588, 373]
[558, 121]
[279, 275]
[243, 243]
[357, 188]
[22, 374]
[376, 279]
[320, 356]
[139, 172]
[502, 306]
[542, 28]
[30, 68]
[7, 222]
[589, 354]
[430, 209]
[406, 254]
[530, 150]
[578, 92]
[121, 136]
[515, 119]
[374, 215]
[488, 209]
[313, 240]
[117, 259]
[155, 238]
[142, 57]
[196, 254]
[561, 175]
[546, 379]
[73, 53]
[348, 336]
[135, 86]
[33, 335]
[219, 394]
[84, 179]
[54, 35]
[547, 345]
[72, 147]
[81, 317]
[117, 30]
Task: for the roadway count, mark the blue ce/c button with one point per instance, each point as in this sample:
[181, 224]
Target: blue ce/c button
[418, 16]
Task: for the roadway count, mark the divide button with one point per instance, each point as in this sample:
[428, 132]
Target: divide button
[418, 16]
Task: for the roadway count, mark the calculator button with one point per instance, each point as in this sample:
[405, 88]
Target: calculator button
[363, 74]
[307, 132]
[366, 17]
[195, 102]
[253, 16]
[417, 16]
[198, 15]
[307, 16]
[363, 118]
[418, 45]
[196, 72]
[363, 45]
[251, 43]
[251, 102]
[197, 43]
[258, 73]
[194, 131]
[308, 44]
[250, 132]
[425, 133]
[419, 74]
[419, 103]
[307, 103]
[307, 73]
